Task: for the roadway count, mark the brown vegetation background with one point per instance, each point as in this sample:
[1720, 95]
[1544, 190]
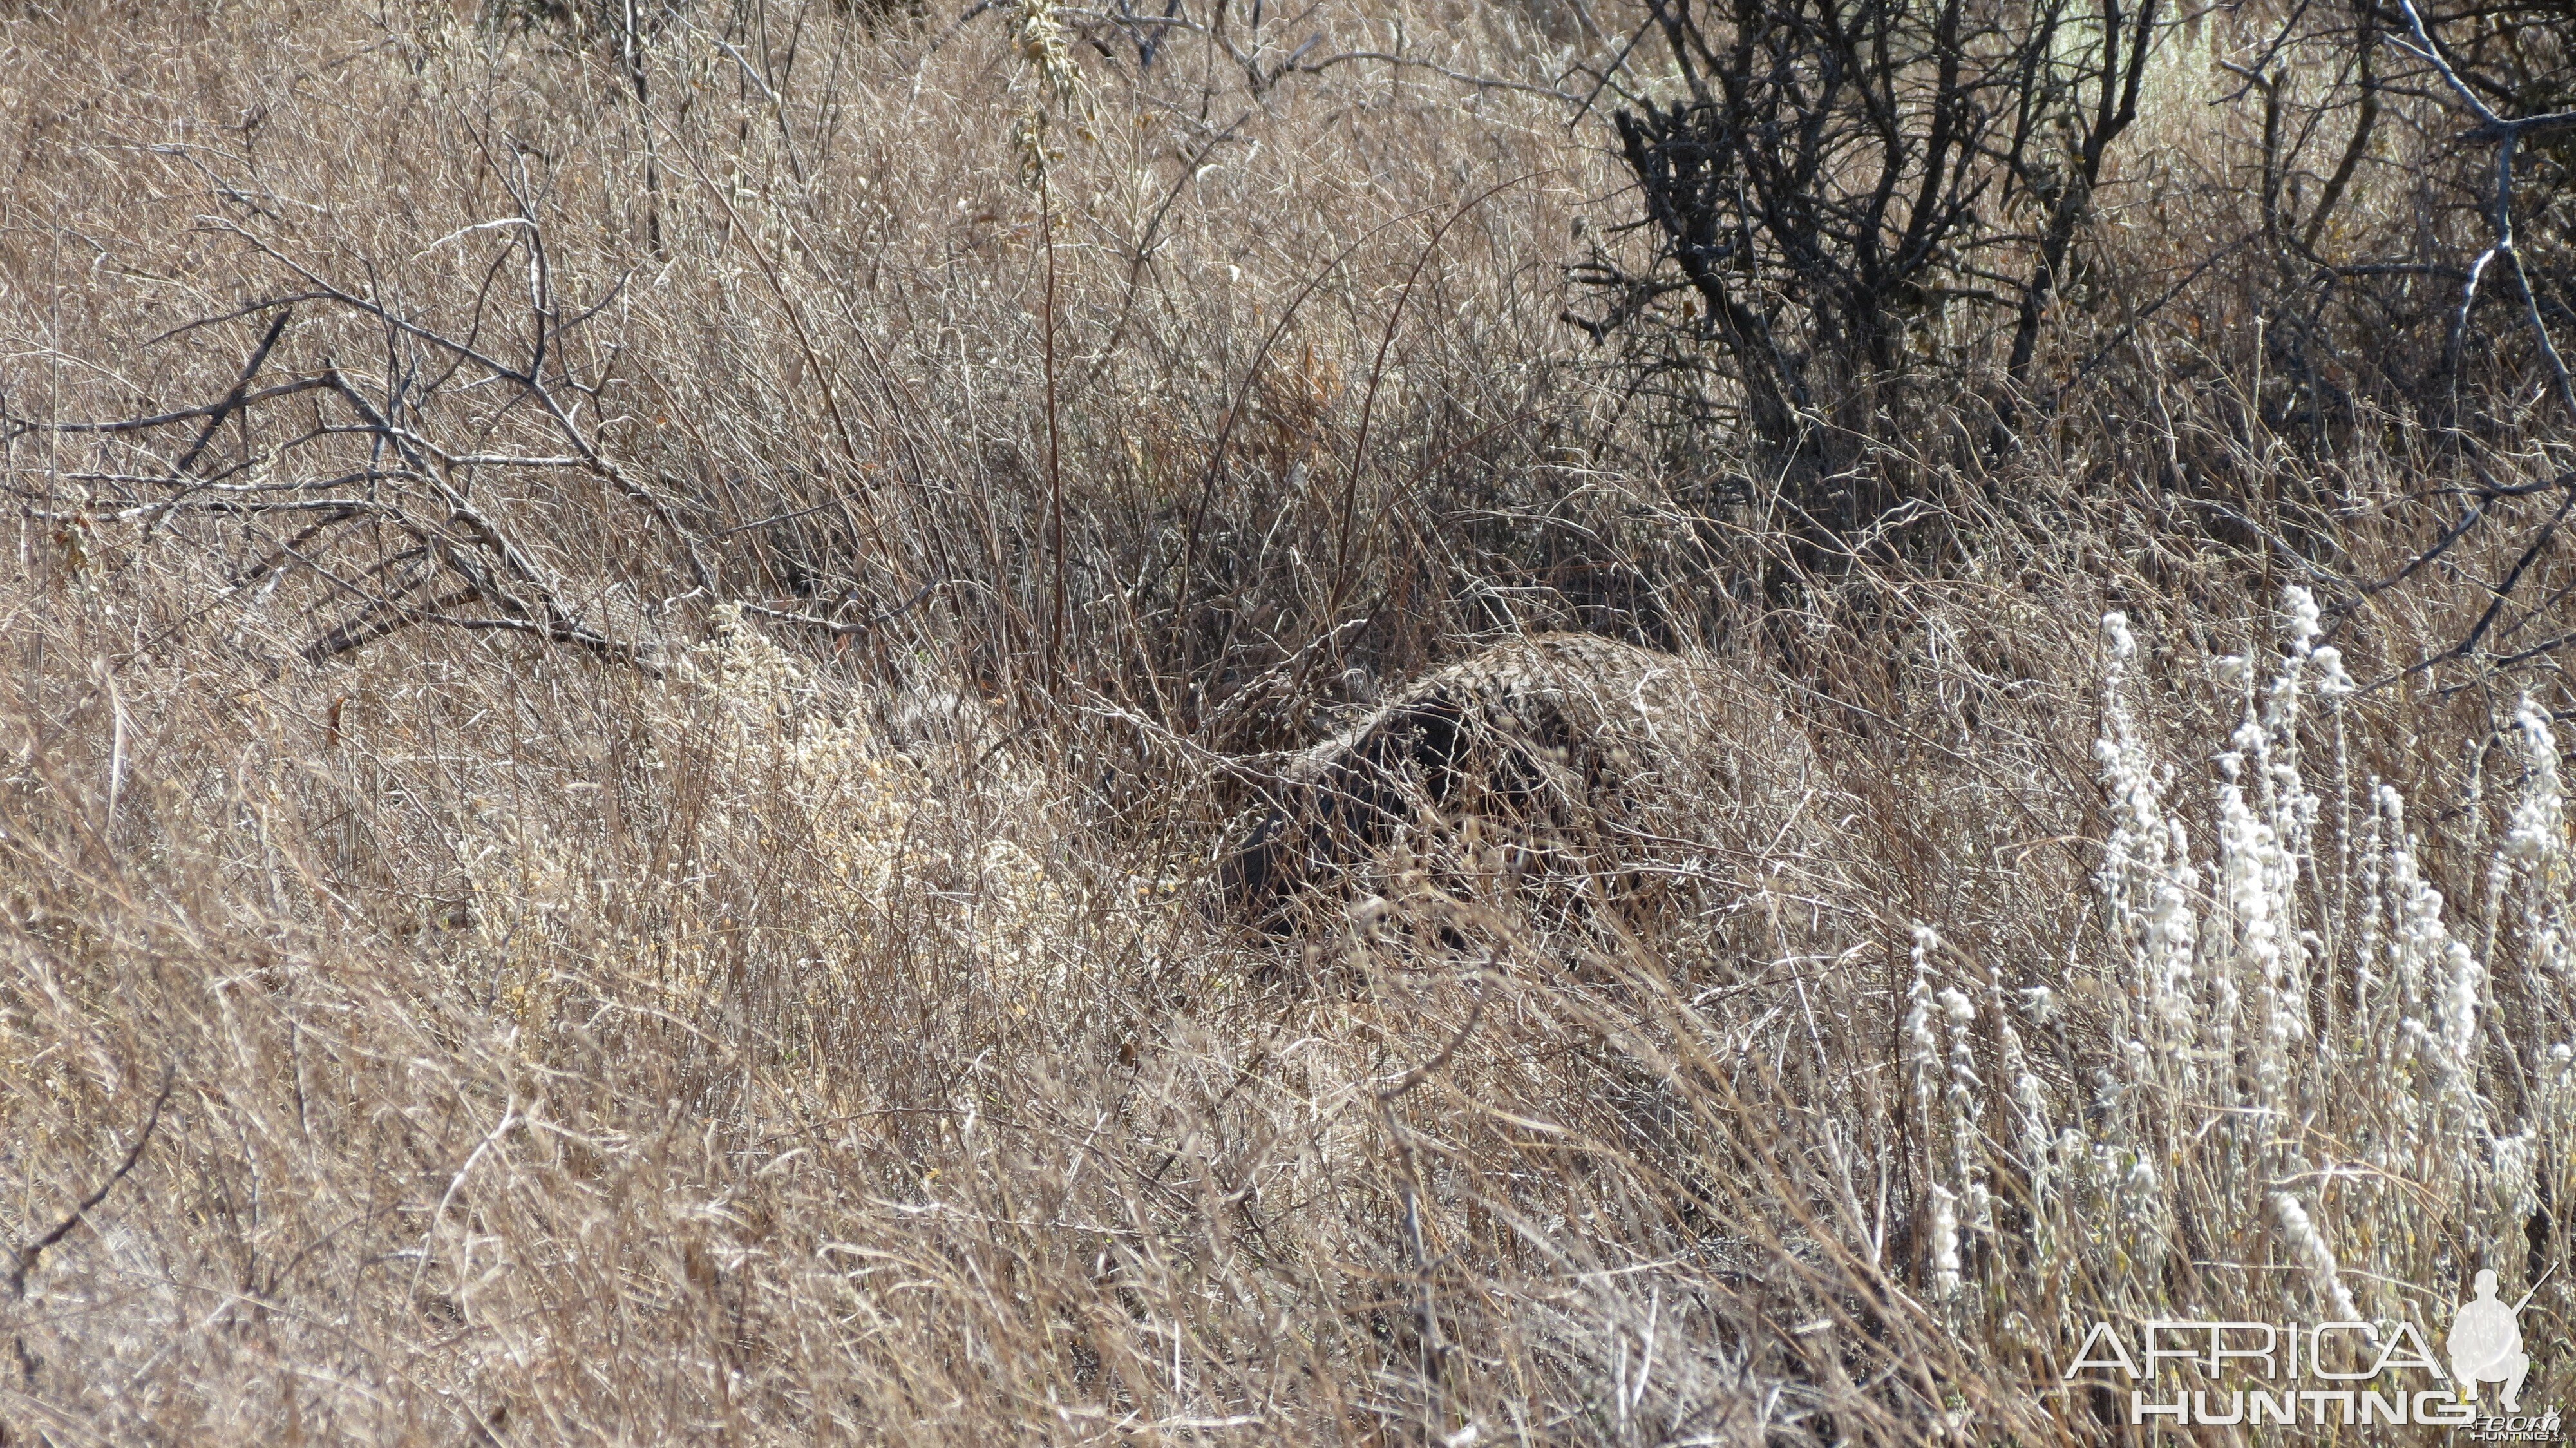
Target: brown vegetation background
[743, 965]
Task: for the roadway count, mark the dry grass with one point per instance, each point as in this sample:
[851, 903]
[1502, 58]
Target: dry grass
[469, 1038]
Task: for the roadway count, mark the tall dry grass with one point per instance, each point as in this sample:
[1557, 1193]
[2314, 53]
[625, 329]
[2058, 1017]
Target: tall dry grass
[810, 1035]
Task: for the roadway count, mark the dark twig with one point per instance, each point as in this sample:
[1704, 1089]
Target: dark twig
[27, 1255]
[233, 400]
[20, 425]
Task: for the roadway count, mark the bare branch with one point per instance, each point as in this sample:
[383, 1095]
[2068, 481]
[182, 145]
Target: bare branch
[27, 1255]
[18, 425]
[233, 400]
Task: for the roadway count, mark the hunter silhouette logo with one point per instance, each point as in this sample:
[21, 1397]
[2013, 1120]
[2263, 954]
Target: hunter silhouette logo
[2486, 1344]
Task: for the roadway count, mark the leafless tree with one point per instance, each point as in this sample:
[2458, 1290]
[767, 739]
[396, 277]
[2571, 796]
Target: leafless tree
[1836, 185]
